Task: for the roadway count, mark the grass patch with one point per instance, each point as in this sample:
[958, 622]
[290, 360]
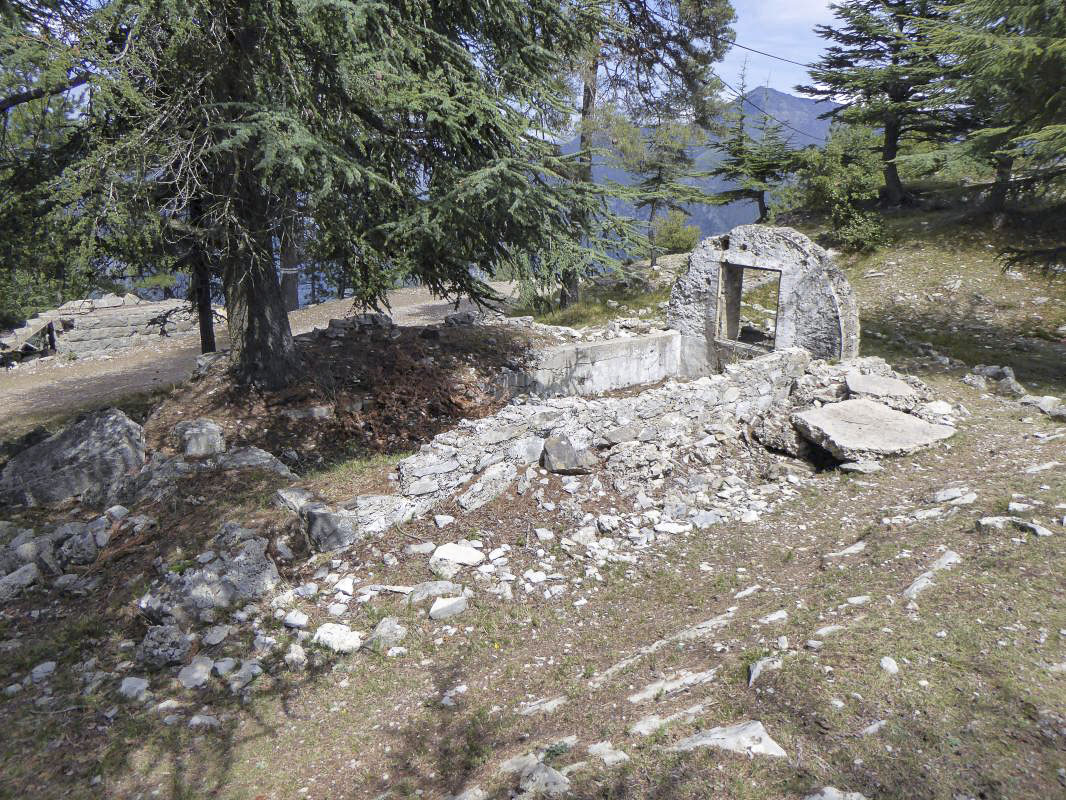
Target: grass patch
[339, 480]
[598, 306]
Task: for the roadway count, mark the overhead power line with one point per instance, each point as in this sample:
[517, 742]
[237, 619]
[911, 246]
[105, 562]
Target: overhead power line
[745, 99]
[734, 43]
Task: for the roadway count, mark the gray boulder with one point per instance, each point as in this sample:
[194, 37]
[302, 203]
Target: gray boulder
[13, 584]
[88, 459]
[388, 633]
[774, 431]
[79, 549]
[855, 429]
[561, 457]
[163, 645]
[332, 528]
[1009, 387]
[200, 437]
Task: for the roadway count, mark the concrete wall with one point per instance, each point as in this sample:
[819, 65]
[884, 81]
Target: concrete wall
[596, 367]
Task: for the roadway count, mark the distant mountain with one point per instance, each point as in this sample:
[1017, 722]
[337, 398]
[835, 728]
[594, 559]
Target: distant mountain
[804, 128]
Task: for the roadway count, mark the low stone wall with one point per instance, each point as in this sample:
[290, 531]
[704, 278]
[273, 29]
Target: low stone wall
[589, 368]
[109, 323]
[124, 327]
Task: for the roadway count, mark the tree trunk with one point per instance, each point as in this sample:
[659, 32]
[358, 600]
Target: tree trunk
[997, 195]
[893, 194]
[261, 345]
[200, 270]
[290, 263]
[764, 212]
[204, 312]
[651, 234]
[570, 291]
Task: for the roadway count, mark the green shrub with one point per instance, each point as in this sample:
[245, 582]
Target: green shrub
[671, 235]
[841, 181]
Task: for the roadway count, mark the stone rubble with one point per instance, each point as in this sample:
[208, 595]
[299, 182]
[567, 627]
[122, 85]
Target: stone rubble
[688, 456]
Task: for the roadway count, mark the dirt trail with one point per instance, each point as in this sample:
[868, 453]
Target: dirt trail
[42, 392]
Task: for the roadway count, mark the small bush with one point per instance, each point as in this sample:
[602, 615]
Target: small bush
[841, 181]
[671, 235]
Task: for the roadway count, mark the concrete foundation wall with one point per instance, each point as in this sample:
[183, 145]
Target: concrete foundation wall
[597, 367]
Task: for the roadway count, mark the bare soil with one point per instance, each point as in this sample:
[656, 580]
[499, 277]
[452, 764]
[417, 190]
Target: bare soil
[47, 391]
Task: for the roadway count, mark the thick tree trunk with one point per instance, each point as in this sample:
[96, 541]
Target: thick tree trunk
[290, 264]
[997, 195]
[570, 291]
[893, 194]
[261, 345]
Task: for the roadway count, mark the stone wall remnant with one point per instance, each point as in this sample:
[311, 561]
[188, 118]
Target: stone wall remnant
[816, 309]
[102, 325]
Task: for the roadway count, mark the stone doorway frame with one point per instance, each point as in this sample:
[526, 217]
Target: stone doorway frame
[816, 309]
[730, 296]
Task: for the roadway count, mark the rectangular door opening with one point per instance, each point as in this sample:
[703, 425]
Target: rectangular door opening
[748, 302]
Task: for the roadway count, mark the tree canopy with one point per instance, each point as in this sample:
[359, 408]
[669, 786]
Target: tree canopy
[413, 134]
[879, 66]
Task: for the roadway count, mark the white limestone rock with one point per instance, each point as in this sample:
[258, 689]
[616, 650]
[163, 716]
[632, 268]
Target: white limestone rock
[200, 437]
[855, 429]
[133, 688]
[197, 673]
[338, 638]
[445, 607]
[749, 738]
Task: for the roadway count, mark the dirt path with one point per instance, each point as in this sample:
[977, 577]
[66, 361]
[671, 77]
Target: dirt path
[45, 391]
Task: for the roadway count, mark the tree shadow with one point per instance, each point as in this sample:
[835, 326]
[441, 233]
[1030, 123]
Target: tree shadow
[966, 334]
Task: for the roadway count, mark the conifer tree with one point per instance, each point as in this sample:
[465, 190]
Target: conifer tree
[880, 67]
[650, 60]
[413, 132]
[1008, 65]
[662, 158]
[755, 161]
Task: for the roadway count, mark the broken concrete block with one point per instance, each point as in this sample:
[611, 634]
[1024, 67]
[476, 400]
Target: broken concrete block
[855, 429]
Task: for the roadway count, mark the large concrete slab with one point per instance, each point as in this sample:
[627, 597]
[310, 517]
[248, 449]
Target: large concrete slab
[855, 429]
[878, 387]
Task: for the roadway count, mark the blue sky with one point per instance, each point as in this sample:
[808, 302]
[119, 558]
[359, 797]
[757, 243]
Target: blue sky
[782, 27]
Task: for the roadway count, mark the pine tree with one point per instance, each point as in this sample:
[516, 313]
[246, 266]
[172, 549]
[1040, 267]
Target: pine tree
[754, 162]
[650, 60]
[414, 134]
[1008, 61]
[879, 65]
[662, 158]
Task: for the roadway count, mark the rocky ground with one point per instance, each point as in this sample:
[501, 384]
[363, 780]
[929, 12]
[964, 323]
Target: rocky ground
[694, 590]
